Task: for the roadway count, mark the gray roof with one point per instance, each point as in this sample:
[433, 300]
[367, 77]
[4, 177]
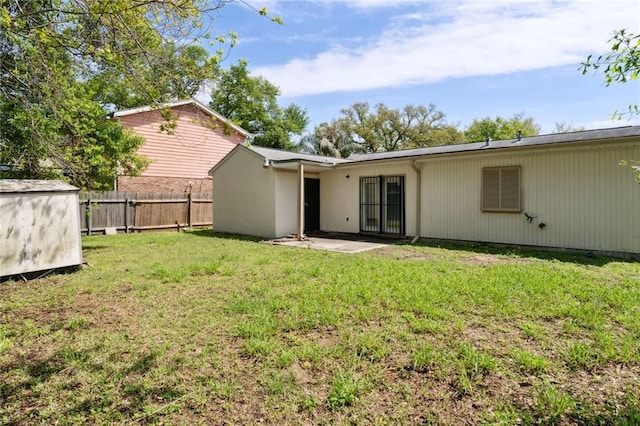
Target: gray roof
[27, 185]
[557, 138]
[279, 155]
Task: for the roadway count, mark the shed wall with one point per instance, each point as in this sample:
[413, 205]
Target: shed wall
[244, 196]
[340, 196]
[582, 195]
[43, 233]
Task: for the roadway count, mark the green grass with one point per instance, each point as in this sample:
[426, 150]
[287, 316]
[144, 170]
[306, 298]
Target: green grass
[186, 328]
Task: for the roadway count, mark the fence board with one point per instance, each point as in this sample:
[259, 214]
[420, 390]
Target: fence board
[137, 211]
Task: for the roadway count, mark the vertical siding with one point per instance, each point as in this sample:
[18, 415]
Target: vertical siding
[585, 198]
[195, 147]
[244, 196]
[340, 196]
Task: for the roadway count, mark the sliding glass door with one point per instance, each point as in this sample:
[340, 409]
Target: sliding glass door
[382, 204]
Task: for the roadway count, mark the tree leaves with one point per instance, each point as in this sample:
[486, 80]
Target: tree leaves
[251, 102]
[65, 64]
[362, 129]
[620, 65]
[500, 128]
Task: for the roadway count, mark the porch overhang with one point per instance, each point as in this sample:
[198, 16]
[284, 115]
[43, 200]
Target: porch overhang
[309, 166]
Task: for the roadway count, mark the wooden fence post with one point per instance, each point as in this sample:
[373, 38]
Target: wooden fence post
[126, 215]
[189, 210]
[88, 215]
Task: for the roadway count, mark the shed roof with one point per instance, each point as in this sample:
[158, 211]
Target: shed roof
[550, 139]
[193, 102]
[18, 186]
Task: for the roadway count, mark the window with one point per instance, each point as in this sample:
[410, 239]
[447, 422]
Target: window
[382, 204]
[501, 189]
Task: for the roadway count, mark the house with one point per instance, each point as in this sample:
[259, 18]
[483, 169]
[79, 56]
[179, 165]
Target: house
[183, 140]
[562, 191]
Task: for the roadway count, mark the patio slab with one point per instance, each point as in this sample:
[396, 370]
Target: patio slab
[330, 244]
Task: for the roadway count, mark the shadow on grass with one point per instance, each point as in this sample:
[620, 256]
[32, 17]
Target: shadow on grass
[125, 390]
[238, 237]
[568, 256]
[95, 247]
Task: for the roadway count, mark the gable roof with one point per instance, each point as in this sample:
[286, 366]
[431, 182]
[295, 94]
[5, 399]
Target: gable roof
[193, 102]
[550, 139]
[277, 156]
[280, 157]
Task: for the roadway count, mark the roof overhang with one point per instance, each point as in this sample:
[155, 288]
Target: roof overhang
[309, 166]
[176, 104]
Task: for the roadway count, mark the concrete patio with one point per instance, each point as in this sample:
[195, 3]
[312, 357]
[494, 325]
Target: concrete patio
[330, 244]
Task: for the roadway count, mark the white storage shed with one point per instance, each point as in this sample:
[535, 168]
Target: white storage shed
[39, 226]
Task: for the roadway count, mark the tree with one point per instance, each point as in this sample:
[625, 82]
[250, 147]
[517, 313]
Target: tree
[384, 129]
[65, 64]
[620, 65]
[330, 139]
[251, 102]
[501, 128]
[566, 128]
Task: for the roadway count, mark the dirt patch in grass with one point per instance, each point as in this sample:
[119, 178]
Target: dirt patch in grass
[405, 253]
[272, 341]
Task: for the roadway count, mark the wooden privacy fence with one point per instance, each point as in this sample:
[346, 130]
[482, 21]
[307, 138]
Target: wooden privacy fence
[142, 211]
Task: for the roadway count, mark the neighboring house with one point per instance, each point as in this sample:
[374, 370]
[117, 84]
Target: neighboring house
[564, 191]
[183, 140]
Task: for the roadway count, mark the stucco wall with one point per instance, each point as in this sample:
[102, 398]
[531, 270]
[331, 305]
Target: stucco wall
[340, 196]
[244, 196]
[286, 203]
[582, 195]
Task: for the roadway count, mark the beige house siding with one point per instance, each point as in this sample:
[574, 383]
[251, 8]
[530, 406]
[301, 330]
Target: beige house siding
[196, 145]
[244, 196]
[582, 195]
[340, 196]
[286, 190]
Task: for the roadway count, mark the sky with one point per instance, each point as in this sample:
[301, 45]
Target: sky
[472, 59]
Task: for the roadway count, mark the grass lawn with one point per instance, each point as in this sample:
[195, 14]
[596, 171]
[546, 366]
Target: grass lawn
[185, 328]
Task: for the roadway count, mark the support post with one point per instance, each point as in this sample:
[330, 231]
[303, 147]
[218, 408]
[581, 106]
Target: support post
[300, 200]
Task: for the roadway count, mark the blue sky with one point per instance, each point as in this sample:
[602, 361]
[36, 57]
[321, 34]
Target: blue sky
[470, 58]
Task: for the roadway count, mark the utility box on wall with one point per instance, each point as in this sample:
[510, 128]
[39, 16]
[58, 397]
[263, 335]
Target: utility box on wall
[39, 226]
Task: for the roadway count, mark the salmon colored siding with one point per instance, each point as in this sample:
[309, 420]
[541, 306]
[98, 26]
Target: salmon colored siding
[191, 151]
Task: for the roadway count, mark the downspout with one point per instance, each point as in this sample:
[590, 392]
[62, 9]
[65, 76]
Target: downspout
[300, 201]
[418, 199]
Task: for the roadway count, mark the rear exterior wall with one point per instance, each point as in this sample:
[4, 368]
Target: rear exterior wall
[340, 195]
[585, 199]
[244, 196]
[195, 145]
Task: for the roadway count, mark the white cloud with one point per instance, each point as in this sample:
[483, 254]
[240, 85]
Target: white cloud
[460, 40]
